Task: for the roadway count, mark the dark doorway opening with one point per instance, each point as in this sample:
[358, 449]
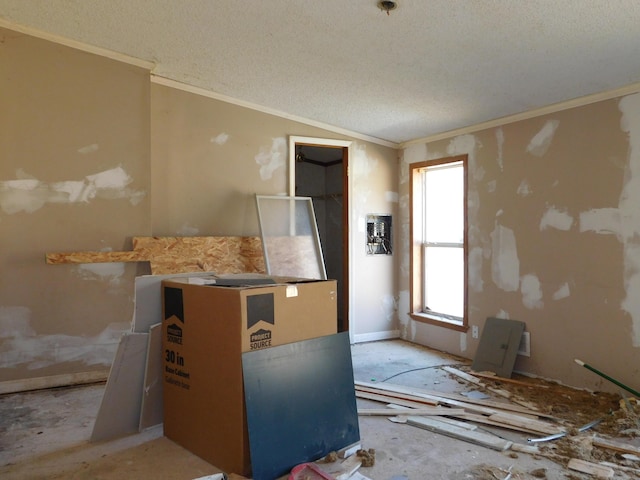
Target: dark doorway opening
[321, 173]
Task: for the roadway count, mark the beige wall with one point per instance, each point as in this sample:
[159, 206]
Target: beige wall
[92, 154]
[210, 158]
[74, 176]
[554, 223]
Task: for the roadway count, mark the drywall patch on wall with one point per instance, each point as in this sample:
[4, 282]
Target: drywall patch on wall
[405, 229]
[505, 264]
[524, 189]
[28, 194]
[605, 221]
[500, 143]
[389, 307]
[629, 201]
[88, 149]
[187, 230]
[475, 269]
[21, 345]
[563, 292]
[271, 158]
[391, 197]
[220, 139]
[531, 292]
[363, 166]
[463, 341]
[406, 324]
[109, 272]
[540, 143]
[502, 314]
[556, 218]
[463, 144]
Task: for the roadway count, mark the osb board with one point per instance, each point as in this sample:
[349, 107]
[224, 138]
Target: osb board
[181, 254]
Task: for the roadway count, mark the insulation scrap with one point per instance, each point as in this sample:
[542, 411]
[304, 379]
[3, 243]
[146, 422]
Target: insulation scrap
[368, 457]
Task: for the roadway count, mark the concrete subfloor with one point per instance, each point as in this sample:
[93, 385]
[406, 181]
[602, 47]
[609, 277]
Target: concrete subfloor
[45, 434]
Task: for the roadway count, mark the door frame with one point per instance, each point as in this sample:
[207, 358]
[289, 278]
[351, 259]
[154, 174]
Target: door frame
[347, 147]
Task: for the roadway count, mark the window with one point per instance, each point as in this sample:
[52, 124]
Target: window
[438, 254]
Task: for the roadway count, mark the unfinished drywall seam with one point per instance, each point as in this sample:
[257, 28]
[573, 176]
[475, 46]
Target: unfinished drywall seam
[556, 218]
[272, 157]
[630, 213]
[28, 194]
[505, 264]
[540, 143]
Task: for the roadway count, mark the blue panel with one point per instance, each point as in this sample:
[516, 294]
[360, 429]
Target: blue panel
[300, 402]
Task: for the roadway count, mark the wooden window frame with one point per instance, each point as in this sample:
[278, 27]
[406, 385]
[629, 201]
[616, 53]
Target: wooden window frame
[416, 256]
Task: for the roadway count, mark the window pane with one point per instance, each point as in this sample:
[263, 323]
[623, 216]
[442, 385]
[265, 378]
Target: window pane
[444, 280]
[444, 209]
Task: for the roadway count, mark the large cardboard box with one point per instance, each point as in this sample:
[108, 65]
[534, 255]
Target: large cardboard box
[206, 328]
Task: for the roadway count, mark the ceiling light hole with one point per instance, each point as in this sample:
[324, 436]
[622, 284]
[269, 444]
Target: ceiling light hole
[387, 5]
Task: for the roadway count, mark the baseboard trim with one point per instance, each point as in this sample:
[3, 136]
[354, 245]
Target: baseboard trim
[53, 381]
[375, 336]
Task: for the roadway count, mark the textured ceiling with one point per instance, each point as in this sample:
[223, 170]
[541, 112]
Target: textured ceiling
[430, 66]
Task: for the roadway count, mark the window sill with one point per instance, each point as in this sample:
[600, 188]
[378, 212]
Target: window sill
[426, 318]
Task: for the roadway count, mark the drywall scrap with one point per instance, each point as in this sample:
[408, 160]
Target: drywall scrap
[220, 254]
[119, 412]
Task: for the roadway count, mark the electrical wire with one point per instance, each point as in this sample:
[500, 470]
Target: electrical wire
[417, 369]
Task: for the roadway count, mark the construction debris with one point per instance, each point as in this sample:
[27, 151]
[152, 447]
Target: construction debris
[583, 466]
[546, 410]
[367, 457]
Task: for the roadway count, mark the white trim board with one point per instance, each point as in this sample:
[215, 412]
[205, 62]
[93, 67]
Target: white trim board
[537, 112]
[375, 336]
[53, 381]
[103, 52]
[167, 82]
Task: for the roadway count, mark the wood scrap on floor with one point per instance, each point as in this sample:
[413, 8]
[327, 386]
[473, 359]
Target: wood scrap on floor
[616, 446]
[496, 378]
[478, 438]
[583, 466]
[410, 411]
[475, 381]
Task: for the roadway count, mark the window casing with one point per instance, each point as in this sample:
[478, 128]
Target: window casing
[438, 255]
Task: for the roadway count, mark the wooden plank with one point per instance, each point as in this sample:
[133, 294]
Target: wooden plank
[583, 466]
[484, 420]
[463, 375]
[94, 257]
[224, 254]
[475, 381]
[442, 397]
[387, 399]
[616, 445]
[389, 412]
[477, 438]
[493, 376]
[526, 423]
[392, 395]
